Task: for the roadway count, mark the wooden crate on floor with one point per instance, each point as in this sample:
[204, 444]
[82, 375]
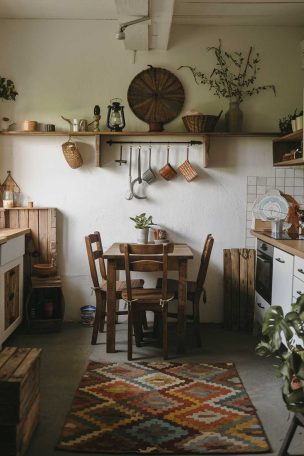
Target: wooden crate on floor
[239, 288]
[19, 398]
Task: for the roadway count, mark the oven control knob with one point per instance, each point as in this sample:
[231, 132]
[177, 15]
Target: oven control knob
[264, 247]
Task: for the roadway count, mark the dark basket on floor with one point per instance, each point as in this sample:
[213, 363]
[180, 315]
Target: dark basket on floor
[200, 123]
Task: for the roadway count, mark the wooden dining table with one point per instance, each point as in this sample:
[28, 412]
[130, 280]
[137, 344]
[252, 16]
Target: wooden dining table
[177, 261]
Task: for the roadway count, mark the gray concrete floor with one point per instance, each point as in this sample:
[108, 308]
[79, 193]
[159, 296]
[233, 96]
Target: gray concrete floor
[66, 354]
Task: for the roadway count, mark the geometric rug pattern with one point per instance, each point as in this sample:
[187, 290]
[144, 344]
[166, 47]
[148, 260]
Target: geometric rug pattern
[162, 408]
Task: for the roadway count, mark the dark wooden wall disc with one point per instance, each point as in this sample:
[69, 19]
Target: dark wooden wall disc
[156, 96]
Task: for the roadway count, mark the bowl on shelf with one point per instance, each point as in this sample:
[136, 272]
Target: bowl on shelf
[200, 123]
[44, 269]
[28, 125]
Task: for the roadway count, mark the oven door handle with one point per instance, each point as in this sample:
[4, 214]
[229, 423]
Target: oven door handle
[265, 260]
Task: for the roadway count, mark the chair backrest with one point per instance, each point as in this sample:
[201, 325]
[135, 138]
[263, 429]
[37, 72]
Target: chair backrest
[138, 258]
[202, 272]
[95, 254]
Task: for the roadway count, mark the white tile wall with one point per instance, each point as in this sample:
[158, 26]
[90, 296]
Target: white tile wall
[288, 180]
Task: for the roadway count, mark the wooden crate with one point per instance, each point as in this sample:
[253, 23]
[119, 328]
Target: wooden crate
[19, 398]
[239, 288]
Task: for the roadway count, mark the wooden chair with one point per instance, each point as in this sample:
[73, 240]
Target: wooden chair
[139, 300]
[95, 254]
[194, 289]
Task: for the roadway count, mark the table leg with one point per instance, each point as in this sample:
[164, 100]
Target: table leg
[182, 300]
[111, 305]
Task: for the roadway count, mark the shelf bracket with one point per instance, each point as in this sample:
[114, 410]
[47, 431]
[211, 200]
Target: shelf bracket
[206, 151]
[98, 150]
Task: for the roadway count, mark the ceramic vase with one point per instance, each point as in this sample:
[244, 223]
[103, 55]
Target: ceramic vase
[234, 116]
[299, 123]
[293, 125]
[142, 235]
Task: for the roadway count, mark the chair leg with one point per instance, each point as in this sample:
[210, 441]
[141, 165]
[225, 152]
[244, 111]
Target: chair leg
[196, 321]
[130, 330]
[144, 320]
[165, 330]
[103, 313]
[97, 318]
[137, 323]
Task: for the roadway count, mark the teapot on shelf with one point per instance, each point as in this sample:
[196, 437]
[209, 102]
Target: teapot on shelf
[77, 124]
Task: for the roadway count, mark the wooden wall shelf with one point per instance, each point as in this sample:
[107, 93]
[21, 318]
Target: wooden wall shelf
[103, 136]
[284, 145]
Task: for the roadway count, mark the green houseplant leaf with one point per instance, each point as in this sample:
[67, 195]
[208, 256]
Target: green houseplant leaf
[142, 221]
[283, 337]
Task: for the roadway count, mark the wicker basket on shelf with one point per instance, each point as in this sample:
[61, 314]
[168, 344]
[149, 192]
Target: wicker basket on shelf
[200, 123]
[71, 154]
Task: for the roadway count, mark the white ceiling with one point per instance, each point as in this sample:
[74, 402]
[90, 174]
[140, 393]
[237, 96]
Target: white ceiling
[220, 12]
[163, 13]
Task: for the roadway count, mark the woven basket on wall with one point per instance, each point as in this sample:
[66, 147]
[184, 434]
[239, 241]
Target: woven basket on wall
[71, 154]
[200, 123]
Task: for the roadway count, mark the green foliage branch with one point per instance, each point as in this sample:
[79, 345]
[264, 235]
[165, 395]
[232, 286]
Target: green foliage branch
[278, 340]
[234, 75]
[7, 89]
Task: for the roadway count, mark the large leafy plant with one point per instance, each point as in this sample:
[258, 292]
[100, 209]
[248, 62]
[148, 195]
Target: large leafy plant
[7, 89]
[142, 221]
[283, 337]
[233, 76]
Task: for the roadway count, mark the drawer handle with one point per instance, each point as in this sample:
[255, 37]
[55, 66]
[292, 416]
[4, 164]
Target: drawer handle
[279, 260]
[299, 292]
[11, 296]
[301, 271]
[260, 305]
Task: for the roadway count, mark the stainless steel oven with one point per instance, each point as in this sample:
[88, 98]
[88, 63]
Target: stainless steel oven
[263, 276]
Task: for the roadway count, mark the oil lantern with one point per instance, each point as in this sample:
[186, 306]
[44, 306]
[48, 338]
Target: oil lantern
[116, 117]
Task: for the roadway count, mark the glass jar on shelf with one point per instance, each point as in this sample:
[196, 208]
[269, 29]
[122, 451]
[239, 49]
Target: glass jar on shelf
[8, 199]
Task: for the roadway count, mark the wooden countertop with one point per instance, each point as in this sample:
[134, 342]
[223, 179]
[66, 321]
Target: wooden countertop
[294, 247]
[10, 233]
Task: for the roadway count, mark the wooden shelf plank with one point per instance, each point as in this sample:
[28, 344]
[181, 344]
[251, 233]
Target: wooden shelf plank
[294, 136]
[140, 133]
[297, 161]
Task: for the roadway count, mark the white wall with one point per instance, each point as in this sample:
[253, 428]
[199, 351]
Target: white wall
[66, 67]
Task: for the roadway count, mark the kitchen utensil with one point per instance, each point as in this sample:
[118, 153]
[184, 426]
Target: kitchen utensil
[186, 168]
[156, 96]
[74, 123]
[129, 193]
[120, 161]
[167, 171]
[149, 175]
[49, 127]
[139, 178]
[71, 154]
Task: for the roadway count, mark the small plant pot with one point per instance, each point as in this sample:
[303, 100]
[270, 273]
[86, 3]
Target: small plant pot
[142, 235]
[299, 122]
[293, 125]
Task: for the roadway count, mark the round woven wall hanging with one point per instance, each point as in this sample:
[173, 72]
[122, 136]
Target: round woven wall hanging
[156, 96]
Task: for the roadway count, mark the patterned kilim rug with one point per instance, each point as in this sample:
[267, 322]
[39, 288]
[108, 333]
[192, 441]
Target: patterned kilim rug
[162, 408]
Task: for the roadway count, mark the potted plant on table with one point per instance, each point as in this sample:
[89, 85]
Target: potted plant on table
[142, 224]
[7, 92]
[233, 77]
[283, 337]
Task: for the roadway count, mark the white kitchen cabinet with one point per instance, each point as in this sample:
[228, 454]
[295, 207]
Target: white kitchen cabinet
[11, 286]
[260, 308]
[282, 279]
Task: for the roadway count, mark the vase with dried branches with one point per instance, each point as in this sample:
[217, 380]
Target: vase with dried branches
[234, 77]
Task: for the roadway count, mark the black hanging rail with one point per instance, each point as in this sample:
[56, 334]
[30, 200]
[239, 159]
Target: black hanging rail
[190, 143]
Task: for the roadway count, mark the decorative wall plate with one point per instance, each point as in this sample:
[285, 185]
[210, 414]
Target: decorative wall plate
[271, 206]
[156, 96]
